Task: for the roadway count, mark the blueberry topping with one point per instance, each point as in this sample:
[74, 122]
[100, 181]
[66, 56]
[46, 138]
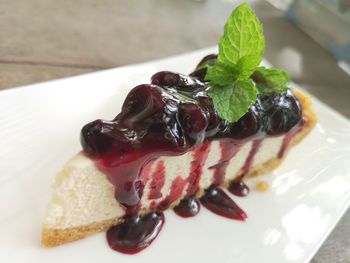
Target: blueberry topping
[183, 84]
[175, 112]
[248, 125]
[172, 116]
[214, 121]
[99, 136]
[282, 112]
[193, 120]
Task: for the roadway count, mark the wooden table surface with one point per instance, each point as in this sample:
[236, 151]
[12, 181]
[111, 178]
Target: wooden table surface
[49, 39]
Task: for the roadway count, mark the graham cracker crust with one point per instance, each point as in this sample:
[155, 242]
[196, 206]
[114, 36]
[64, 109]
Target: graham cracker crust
[52, 237]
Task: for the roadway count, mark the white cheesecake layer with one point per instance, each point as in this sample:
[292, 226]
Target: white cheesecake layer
[82, 195]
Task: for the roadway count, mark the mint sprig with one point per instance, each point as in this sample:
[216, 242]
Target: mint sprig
[234, 99]
[243, 38]
[221, 74]
[270, 80]
[241, 51]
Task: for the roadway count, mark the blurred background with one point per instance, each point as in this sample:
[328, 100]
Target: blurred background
[48, 39]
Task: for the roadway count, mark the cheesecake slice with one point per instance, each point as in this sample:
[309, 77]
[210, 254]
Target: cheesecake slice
[168, 148]
[177, 142]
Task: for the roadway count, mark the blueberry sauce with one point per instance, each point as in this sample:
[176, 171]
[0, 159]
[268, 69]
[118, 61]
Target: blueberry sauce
[158, 180]
[288, 138]
[229, 148]
[218, 202]
[249, 161]
[200, 155]
[188, 207]
[169, 117]
[176, 189]
[238, 187]
[135, 233]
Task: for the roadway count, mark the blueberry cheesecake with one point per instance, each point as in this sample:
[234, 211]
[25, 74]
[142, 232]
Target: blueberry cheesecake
[177, 142]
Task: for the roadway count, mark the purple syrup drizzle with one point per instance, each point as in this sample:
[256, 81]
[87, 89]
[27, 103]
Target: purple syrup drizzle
[217, 201]
[200, 155]
[157, 182]
[135, 233]
[229, 149]
[188, 207]
[238, 188]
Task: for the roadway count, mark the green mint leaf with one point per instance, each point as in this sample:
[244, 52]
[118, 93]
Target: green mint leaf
[231, 78]
[207, 64]
[234, 100]
[224, 74]
[243, 36]
[270, 80]
[240, 48]
[221, 74]
[247, 65]
[240, 52]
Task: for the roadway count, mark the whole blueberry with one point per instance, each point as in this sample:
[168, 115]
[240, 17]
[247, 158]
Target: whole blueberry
[193, 120]
[248, 125]
[282, 112]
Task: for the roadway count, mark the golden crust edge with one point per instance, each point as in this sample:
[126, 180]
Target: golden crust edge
[52, 237]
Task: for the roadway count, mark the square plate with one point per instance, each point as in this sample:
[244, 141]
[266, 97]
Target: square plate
[39, 132]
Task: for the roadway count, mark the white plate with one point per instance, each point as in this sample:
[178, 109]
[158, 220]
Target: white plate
[39, 131]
